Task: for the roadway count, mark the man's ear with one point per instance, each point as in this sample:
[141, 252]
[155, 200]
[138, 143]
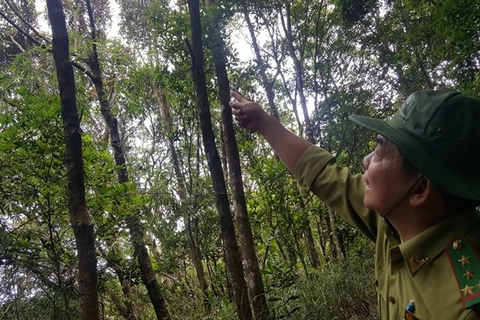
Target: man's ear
[421, 192]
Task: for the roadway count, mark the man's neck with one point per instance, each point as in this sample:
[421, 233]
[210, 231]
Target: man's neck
[413, 221]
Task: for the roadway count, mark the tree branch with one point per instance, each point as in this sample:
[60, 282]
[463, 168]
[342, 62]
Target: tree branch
[19, 15]
[22, 49]
[4, 16]
[43, 46]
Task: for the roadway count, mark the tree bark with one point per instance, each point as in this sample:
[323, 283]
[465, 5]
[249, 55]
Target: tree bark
[133, 222]
[79, 216]
[312, 251]
[232, 255]
[245, 235]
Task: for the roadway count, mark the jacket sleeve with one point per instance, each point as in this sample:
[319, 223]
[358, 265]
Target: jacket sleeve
[317, 172]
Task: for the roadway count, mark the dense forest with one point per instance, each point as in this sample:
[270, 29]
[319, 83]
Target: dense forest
[126, 190]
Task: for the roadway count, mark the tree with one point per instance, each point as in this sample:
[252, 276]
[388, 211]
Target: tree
[137, 234]
[79, 217]
[190, 226]
[245, 235]
[232, 254]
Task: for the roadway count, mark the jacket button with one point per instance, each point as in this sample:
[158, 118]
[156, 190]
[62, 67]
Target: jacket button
[392, 300]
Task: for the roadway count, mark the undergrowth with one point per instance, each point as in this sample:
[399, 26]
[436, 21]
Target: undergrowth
[341, 291]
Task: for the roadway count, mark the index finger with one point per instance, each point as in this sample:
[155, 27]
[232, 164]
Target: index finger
[237, 96]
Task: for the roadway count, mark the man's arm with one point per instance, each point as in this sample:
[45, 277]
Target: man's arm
[317, 172]
[252, 117]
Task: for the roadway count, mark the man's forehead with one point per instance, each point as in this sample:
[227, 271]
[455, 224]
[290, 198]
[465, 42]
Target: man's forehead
[386, 144]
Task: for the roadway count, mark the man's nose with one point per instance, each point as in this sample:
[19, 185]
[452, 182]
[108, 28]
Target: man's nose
[366, 161]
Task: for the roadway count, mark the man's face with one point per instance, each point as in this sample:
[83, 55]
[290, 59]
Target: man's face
[387, 180]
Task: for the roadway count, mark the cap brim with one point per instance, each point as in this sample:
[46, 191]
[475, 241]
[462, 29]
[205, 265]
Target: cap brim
[452, 180]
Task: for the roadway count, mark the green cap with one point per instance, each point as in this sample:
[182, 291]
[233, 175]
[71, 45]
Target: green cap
[438, 131]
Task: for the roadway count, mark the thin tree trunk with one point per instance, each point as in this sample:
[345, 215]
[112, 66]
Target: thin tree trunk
[182, 193]
[320, 234]
[133, 222]
[298, 72]
[79, 217]
[223, 153]
[297, 247]
[312, 252]
[211, 275]
[130, 312]
[233, 261]
[126, 307]
[245, 235]
[307, 231]
[333, 247]
[337, 236]
[267, 85]
[313, 255]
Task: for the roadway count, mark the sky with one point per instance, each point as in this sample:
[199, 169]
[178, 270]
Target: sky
[240, 35]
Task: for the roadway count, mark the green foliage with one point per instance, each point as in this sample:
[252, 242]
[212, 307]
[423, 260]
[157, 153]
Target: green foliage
[338, 291]
[36, 246]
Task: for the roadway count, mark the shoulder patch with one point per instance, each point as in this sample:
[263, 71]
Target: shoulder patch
[465, 262]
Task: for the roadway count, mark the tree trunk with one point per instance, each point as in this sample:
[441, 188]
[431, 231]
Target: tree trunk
[312, 252]
[337, 236]
[126, 307]
[79, 217]
[318, 222]
[232, 255]
[328, 222]
[223, 153]
[296, 247]
[313, 255]
[245, 235]
[267, 85]
[130, 312]
[182, 194]
[298, 73]
[133, 222]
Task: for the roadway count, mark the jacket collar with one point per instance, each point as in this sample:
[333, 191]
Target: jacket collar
[429, 244]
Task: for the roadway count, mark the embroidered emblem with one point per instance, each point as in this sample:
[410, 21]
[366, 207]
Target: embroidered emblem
[464, 260]
[467, 290]
[469, 275]
[415, 264]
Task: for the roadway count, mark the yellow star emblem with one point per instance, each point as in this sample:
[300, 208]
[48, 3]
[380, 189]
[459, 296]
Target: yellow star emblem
[464, 260]
[467, 290]
[469, 275]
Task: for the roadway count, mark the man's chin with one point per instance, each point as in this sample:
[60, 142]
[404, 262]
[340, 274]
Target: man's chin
[367, 204]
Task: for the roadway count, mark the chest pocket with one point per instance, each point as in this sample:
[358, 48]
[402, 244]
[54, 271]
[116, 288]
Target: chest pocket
[396, 289]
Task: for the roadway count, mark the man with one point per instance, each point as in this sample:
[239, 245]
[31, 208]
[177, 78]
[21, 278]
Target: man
[416, 199]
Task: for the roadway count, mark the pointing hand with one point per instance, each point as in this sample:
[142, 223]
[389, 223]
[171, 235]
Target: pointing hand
[247, 114]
